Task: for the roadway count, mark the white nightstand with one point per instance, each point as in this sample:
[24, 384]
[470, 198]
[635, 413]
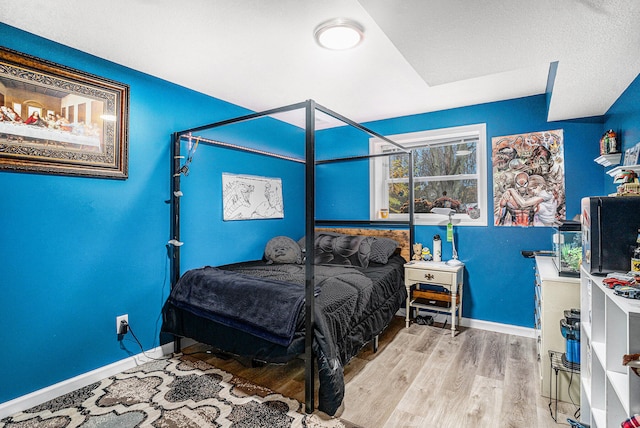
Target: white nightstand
[449, 278]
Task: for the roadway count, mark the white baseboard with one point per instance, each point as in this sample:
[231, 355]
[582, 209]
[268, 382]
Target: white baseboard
[43, 395]
[499, 328]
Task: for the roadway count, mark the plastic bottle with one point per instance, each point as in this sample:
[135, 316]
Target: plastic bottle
[437, 248]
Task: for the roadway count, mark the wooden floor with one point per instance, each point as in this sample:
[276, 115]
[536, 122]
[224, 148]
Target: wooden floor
[423, 377]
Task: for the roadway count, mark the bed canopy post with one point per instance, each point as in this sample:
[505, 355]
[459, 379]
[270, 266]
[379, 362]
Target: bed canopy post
[310, 255]
[174, 250]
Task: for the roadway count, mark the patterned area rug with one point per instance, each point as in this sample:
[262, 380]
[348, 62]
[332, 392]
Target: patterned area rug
[175, 392]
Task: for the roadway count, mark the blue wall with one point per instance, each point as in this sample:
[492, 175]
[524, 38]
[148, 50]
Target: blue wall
[498, 281]
[77, 252]
[211, 241]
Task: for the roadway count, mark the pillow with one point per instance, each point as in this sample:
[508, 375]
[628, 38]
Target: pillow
[282, 249]
[345, 250]
[303, 243]
[382, 249]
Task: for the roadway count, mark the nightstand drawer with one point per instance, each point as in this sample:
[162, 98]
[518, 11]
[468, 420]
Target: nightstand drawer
[433, 296]
[430, 276]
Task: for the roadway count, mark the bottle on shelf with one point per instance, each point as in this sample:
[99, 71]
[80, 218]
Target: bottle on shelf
[635, 258]
[437, 248]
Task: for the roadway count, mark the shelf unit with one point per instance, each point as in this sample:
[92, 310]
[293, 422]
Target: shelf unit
[609, 159]
[617, 170]
[554, 294]
[610, 328]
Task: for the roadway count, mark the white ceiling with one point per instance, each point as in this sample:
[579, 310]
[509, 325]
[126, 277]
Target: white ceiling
[418, 55]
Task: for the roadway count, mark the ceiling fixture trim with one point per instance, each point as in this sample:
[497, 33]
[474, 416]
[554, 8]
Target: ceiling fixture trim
[339, 34]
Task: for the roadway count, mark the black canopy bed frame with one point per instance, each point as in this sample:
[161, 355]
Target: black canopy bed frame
[311, 223]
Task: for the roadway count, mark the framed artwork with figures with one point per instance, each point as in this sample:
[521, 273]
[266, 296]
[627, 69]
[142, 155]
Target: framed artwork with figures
[528, 179]
[58, 120]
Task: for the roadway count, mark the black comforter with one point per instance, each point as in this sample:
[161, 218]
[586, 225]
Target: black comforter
[352, 305]
[266, 308]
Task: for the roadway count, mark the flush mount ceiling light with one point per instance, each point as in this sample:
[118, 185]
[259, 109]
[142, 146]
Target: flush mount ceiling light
[339, 34]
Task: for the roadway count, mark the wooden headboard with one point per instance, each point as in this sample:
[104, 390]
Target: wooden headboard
[401, 236]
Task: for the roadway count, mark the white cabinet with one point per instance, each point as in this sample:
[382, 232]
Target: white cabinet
[554, 294]
[610, 328]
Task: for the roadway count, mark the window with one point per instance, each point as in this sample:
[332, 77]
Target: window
[449, 168]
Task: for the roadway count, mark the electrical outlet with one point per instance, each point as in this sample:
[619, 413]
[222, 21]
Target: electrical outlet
[119, 319]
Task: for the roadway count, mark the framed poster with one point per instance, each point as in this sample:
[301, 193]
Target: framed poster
[246, 197]
[528, 179]
[57, 120]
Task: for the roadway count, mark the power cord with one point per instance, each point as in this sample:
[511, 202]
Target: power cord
[184, 169]
[576, 414]
[125, 328]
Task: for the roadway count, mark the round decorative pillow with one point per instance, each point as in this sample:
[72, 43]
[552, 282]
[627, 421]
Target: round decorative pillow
[282, 249]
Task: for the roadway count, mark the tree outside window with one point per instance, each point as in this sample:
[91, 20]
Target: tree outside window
[449, 172]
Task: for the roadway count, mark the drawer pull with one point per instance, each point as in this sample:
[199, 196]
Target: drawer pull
[429, 276]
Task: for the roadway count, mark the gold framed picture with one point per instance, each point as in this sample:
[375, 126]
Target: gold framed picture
[58, 120]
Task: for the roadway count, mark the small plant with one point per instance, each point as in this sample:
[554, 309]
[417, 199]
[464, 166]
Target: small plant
[571, 256]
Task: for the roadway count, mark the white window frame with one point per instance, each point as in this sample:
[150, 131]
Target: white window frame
[379, 172]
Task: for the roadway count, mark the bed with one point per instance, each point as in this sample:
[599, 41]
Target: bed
[337, 283]
[254, 310]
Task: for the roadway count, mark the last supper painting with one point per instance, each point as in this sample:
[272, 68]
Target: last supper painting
[57, 120]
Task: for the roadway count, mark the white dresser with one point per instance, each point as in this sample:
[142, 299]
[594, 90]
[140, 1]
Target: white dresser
[554, 294]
